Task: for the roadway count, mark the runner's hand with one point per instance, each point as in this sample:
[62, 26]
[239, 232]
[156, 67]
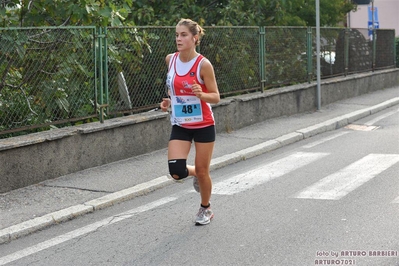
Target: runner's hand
[197, 89]
[164, 105]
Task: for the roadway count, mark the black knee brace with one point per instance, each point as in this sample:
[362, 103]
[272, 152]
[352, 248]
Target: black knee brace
[178, 167]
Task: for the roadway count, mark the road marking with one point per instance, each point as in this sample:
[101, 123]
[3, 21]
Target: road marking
[265, 173]
[378, 118]
[341, 183]
[315, 143]
[396, 200]
[82, 231]
[361, 127]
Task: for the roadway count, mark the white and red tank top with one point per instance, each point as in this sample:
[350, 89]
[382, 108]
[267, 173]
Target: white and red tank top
[188, 111]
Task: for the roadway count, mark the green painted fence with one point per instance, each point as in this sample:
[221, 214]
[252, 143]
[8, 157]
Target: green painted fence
[62, 76]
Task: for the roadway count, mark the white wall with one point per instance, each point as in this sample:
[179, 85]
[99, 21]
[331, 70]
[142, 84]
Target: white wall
[388, 12]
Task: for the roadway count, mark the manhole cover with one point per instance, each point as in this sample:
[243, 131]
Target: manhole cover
[361, 127]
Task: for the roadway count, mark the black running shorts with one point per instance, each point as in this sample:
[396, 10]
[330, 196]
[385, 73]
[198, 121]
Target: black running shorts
[205, 134]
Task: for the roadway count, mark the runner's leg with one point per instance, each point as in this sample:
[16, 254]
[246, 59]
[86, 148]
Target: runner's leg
[203, 155]
[178, 149]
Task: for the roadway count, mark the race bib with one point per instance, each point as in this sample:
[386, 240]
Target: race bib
[187, 109]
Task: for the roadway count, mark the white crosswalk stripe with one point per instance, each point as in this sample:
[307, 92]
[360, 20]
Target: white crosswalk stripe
[339, 184]
[396, 200]
[332, 187]
[265, 173]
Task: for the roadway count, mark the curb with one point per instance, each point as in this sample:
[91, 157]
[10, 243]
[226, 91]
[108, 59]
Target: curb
[39, 223]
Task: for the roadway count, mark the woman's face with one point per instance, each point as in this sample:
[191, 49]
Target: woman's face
[184, 38]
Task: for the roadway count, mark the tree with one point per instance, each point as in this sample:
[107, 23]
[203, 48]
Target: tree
[284, 12]
[31, 13]
[331, 12]
[62, 62]
[24, 13]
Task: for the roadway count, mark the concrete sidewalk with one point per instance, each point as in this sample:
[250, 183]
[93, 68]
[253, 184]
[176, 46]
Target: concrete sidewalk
[32, 208]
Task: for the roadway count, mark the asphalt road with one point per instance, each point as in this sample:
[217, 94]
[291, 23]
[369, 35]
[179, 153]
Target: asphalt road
[328, 200]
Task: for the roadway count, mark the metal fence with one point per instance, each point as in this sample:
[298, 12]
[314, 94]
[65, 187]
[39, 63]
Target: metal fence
[56, 77]
[47, 77]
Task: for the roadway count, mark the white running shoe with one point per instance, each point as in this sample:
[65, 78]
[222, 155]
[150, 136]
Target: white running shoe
[204, 216]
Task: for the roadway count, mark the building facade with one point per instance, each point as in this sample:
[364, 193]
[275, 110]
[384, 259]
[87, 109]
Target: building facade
[385, 16]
